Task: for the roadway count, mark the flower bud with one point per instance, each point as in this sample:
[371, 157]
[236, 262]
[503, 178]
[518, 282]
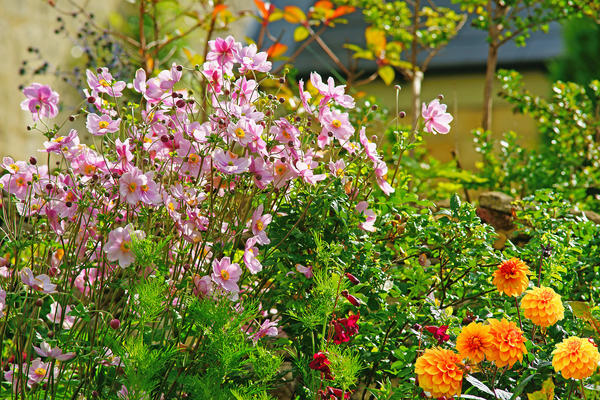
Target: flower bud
[32, 160]
[115, 324]
[352, 278]
[91, 99]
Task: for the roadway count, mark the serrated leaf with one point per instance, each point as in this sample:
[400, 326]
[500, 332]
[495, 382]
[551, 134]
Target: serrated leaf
[582, 310]
[545, 393]
[387, 74]
[300, 33]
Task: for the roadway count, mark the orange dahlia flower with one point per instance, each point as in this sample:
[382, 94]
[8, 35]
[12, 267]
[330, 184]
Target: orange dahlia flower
[440, 372]
[575, 358]
[542, 306]
[511, 277]
[508, 343]
[473, 341]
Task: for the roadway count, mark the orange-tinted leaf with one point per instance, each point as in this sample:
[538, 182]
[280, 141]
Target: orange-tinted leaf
[341, 10]
[546, 393]
[582, 310]
[262, 8]
[294, 14]
[376, 40]
[150, 64]
[325, 4]
[276, 50]
[218, 9]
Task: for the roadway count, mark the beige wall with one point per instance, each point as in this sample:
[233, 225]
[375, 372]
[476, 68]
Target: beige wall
[25, 23]
[463, 93]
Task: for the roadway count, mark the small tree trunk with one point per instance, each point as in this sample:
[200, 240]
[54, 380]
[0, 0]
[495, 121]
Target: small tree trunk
[417, 79]
[488, 91]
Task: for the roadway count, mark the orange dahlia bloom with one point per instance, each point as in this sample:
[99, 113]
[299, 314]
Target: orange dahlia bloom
[508, 343]
[474, 341]
[511, 277]
[440, 372]
[575, 358]
[542, 306]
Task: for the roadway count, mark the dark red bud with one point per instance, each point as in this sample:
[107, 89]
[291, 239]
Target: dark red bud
[115, 324]
[352, 278]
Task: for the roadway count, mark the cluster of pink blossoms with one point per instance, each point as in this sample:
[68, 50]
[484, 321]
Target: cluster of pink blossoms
[196, 174]
[238, 142]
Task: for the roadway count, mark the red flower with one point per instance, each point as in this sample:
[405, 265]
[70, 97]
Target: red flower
[331, 393]
[321, 363]
[345, 328]
[439, 333]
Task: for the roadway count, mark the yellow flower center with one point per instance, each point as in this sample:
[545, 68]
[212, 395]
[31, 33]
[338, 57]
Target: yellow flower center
[60, 253]
[70, 196]
[103, 124]
[280, 169]
[89, 169]
[132, 187]
[104, 83]
[573, 346]
[171, 206]
[286, 134]
[125, 246]
[225, 275]
[340, 172]
[260, 226]
[40, 371]
[20, 181]
[193, 158]
[14, 167]
[144, 188]
[239, 132]
[336, 123]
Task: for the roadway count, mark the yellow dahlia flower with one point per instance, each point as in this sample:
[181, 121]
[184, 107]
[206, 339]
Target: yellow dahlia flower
[440, 372]
[473, 341]
[542, 306]
[575, 358]
[508, 343]
[511, 277]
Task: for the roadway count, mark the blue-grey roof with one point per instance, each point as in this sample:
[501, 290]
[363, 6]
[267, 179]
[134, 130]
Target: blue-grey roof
[468, 49]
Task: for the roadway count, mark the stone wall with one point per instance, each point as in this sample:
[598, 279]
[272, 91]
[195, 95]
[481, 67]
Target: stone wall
[25, 23]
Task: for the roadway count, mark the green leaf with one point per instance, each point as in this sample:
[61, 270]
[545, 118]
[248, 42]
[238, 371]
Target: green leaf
[519, 389]
[454, 202]
[300, 33]
[546, 393]
[387, 74]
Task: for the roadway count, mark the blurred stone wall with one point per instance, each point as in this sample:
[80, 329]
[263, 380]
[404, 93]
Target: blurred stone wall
[25, 23]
